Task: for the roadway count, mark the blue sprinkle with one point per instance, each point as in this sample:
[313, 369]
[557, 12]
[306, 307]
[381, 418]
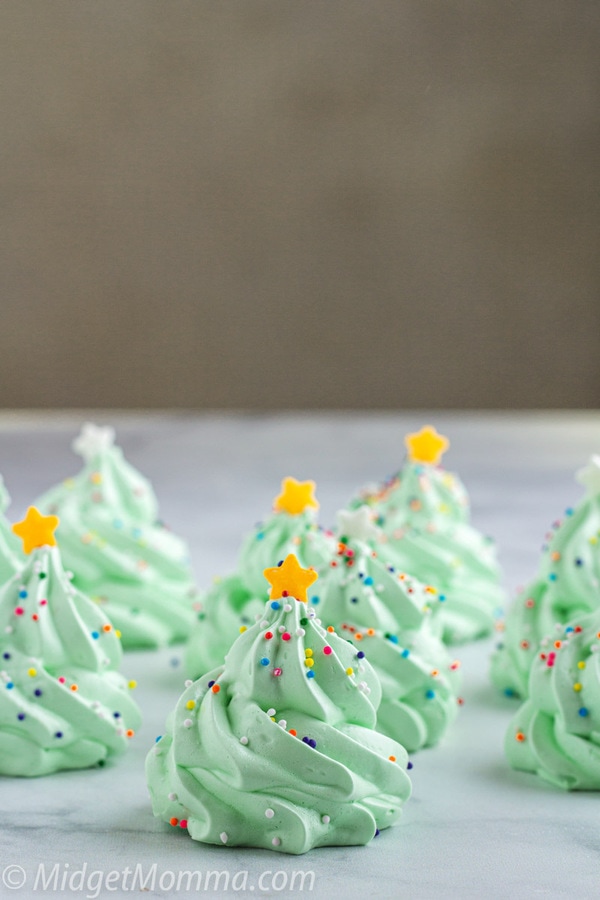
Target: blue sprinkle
[6, 655]
[583, 712]
[430, 694]
[95, 635]
[260, 535]
[117, 523]
[578, 561]
[569, 629]
[21, 716]
[9, 685]
[310, 674]
[280, 563]
[405, 654]
[569, 511]
[275, 605]
[264, 661]
[368, 580]
[210, 683]
[312, 743]
[136, 532]
[393, 638]
[157, 739]
[442, 598]
[353, 599]
[22, 594]
[376, 832]
[117, 715]
[315, 600]
[58, 734]
[552, 576]
[360, 655]
[37, 692]
[508, 692]
[409, 766]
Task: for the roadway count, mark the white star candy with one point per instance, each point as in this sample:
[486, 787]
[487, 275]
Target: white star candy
[589, 476]
[93, 439]
[357, 524]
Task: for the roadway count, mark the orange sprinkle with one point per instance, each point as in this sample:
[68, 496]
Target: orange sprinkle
[558, 644]
[107, 627]
[216, 688]
[330, 629]
[520, 737]
[370, 632]
[74, 687]
[293, 732]
[173, 821]
[556, 555]
[358, 636]
[392, 758]
[130, 732]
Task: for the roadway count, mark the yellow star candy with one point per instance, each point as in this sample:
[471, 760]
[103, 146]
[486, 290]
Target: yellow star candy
[426, 446]
[36, 530]
[295, 496]
[290, 579]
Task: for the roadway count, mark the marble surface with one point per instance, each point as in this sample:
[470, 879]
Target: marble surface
[473, 828]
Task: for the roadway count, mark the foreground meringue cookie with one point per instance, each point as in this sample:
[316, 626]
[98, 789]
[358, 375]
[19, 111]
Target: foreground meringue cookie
[567, 587]
[276, 748]
[424, 514]
[556, 733]
[388, 617]
[63, 702]
[11, 558]
[235, 602]
[120, 553]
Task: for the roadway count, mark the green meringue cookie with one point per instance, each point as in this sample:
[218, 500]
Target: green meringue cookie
[63, 702]
[388, 616]
[223, 610]
[423, 512]
[556, 732]
[280, 534]
[121, 555]
[269, 751]
[567, 586]
[11, 557]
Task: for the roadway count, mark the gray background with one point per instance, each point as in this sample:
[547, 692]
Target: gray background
[277, 204]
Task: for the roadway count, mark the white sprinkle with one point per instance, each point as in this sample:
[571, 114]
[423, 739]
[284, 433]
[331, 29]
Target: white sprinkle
[287, 608]
[281, 629]
[8, 629]
[187, 723]
[264, 623]
[325, 820]
[269, 813]
[312, 614]
[300, 632]
[157, 750]
[282, 723]
[276, 841]
[224, 837]
[243, 740]
[271, 712]
[188, 682]
[172, 796]
[120, 732]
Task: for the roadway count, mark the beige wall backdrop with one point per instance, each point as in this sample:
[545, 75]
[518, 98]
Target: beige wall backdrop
[299, 203]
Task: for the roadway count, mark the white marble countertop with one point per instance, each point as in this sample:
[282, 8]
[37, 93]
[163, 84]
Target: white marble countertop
[473, 828]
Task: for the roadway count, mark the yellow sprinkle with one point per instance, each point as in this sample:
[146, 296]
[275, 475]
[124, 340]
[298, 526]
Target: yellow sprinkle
[32, 672]
[117, 633]
[581, 665]
[243, 628]
[593, 540]
[577, 686]
[309, 662]
[190, 704]
[132, 684]
[308, 652]
[96, 478]
[349, 671]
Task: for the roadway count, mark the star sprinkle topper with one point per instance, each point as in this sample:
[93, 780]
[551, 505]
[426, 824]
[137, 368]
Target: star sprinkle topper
[295, 496]
[36, 530]
[426, 445]
[289, 579]
[93, 439]
[589, 476]
[357, 524]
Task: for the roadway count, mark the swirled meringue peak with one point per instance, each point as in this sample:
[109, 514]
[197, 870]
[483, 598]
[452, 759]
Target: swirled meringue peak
[63, 702]
[121, 555]
[567, 587]
[388, 616]
[556, 732]
[276, 749]
[292, 528]
[11, 558]
[423, 512]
